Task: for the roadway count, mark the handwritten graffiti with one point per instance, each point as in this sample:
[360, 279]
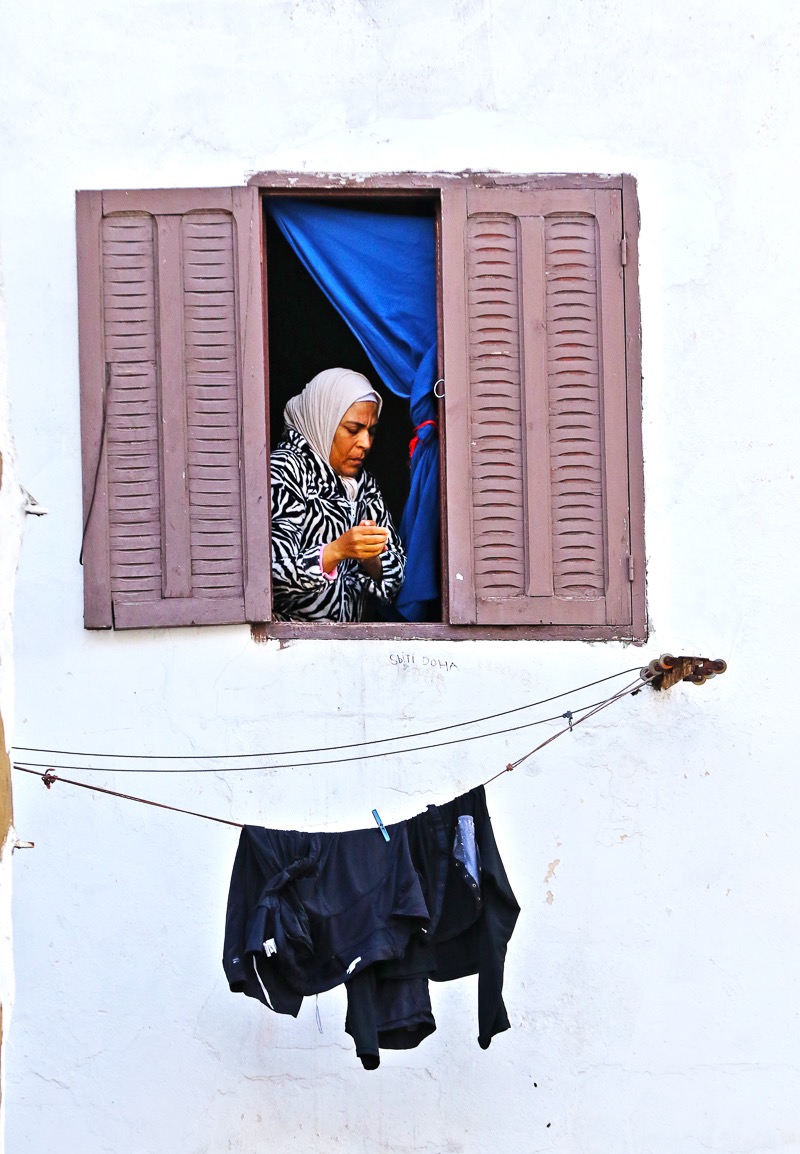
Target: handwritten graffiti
[422, 661]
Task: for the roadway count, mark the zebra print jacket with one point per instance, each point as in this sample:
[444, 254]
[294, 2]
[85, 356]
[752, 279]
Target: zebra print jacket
[309, 510]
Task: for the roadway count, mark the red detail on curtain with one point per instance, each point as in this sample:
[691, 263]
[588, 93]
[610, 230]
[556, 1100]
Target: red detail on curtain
[412, 444]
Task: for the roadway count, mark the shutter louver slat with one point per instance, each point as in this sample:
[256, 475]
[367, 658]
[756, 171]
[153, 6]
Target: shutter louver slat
[546, 391]
[496, 405]
[184, 458]
[212, 393]
[134, 504]
[573, 363]
[541, 363]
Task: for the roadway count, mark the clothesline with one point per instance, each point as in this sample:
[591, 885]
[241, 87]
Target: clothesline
[49, 778]
[319, 749]
[319, 761]
[634, 687]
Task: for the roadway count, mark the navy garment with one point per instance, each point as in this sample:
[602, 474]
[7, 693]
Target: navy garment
[378, 270]
[308, 910]
[386, 1013]
[472, 911]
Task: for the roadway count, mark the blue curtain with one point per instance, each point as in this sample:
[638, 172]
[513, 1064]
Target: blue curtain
[379, 272]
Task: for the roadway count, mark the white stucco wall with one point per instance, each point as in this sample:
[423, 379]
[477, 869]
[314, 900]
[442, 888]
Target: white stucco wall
[651, 982]
[12, 502]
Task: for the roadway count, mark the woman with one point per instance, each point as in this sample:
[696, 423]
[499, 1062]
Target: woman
[333, 540]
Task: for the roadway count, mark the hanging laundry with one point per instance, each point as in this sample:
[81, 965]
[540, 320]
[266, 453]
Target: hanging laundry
[472, 912]
[309, 911]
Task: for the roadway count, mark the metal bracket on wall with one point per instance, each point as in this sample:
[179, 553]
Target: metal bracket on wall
[665, 671]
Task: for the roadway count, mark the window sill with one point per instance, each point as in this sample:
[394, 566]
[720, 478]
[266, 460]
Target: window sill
[393, 631]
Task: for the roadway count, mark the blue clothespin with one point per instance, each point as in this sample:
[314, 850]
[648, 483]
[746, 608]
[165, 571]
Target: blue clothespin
[381, 826]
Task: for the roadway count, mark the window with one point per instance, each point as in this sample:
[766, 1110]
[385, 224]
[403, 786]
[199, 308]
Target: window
[540, 425]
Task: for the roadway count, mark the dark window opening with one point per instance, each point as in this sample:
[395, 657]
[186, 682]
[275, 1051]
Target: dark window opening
[306, 334]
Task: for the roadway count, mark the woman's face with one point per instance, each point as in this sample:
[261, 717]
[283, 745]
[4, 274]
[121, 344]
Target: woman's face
[353, 438]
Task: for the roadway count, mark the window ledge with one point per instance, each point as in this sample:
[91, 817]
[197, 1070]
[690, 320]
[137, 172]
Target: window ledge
[396, 631]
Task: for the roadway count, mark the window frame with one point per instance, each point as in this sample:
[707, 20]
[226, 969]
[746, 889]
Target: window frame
[450, 191]
[489, 201]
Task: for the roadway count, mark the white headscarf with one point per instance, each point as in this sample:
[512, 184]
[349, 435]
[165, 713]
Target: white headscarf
[316, 412]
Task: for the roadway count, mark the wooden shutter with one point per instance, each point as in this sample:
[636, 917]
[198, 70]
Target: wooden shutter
[536, 409]
[174, 435]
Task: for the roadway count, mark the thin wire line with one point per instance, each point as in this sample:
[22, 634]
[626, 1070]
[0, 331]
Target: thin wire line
[50, 778]
[634, 687]
[308, 764]
[324, 748]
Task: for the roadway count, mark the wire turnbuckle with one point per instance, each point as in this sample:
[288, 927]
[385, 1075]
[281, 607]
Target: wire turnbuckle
[665, 671]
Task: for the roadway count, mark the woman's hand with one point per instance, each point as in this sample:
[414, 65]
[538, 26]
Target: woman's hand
[364, 543]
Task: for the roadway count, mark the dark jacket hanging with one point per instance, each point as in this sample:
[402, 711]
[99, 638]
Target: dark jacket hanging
[472, 911]
[307, 912]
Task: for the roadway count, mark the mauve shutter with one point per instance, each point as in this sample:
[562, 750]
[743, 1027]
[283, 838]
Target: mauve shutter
[536, 411]
[173, 408]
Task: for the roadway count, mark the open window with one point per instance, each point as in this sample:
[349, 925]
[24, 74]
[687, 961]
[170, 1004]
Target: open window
[306, 334]
[197, 322]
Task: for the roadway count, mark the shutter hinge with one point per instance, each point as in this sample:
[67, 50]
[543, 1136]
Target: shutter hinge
[623, 250]
[630, 568]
